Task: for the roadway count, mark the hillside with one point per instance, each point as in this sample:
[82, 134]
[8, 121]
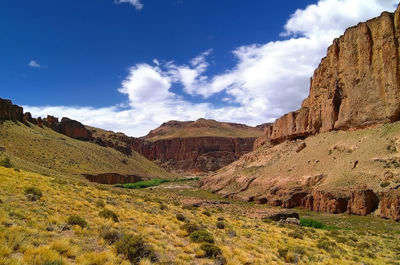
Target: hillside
[45, 151]
[349, 158]
[201, 128]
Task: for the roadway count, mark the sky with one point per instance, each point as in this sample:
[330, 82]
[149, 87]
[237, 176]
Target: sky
[130, 65]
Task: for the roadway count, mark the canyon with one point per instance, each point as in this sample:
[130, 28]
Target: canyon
[338, 152]
[183, 147]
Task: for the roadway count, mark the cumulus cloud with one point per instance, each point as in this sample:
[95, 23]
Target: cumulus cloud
[136, 3]
[267, 81]
[34, 64]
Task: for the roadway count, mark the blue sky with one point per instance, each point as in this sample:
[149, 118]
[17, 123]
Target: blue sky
[132, 65]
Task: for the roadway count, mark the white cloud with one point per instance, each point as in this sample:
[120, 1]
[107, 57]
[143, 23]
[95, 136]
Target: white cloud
[136, 3]
[34, 64]
[268, 80]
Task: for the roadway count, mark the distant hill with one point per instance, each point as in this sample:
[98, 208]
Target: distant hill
[45, 151]
[203, 127]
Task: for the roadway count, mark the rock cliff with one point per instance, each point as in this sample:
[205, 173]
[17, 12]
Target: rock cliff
[8, 111]
[355, 86]
[339, 151]
[188, 154]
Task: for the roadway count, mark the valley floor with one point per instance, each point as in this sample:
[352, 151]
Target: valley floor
[42, 232]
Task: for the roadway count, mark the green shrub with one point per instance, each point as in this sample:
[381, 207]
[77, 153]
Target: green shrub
[144, 184]
[211, 250]
[311, 223]
[220, 225]
[180, 217]
[384, 184]
[190, 228]
[201, 236]
[108, 214]
[5, 163]
[77, 220]
[134, 249]
[33, 194]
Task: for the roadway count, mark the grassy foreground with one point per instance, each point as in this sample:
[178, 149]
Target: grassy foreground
[72, 222]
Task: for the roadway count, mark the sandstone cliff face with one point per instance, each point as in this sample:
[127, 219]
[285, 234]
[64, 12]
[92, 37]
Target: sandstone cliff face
[8, 111]
[194, 154]
[199, 154]
[356, 85]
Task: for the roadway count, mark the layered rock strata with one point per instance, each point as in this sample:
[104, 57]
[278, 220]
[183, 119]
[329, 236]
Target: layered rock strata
[356, 85]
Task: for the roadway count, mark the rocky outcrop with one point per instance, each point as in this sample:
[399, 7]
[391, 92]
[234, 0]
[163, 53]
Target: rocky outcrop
[362, 202]
[73, 129]
[113, 178]
[9, 111]
[322, 201]
[356, 85]
[389, 206]
[190, 154]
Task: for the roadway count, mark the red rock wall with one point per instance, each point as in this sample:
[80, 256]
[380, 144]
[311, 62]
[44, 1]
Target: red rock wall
[198, 154]
[8, 111]
[356, 85]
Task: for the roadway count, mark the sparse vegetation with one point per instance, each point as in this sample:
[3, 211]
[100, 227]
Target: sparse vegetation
[143, 184]
[77, 220]
[220, 225]
[201, 236]
[180, 217]
[5, 163]
[135, 249]
[246, 240]
[211, 250]
[33, 194]
[108, 214]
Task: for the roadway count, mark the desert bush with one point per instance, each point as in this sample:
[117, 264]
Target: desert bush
[180, 217]
[5, 163]
[77, 220]
[211, 250]
[220, 225]
[206, 213]
[100, 203]
[201, 236]
[33, 194]
[163, 207]
[134, 249]
[190, 228]
[108, 214]
[110, 236]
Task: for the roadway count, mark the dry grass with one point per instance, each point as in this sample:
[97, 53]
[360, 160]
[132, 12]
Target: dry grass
[37, 232]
